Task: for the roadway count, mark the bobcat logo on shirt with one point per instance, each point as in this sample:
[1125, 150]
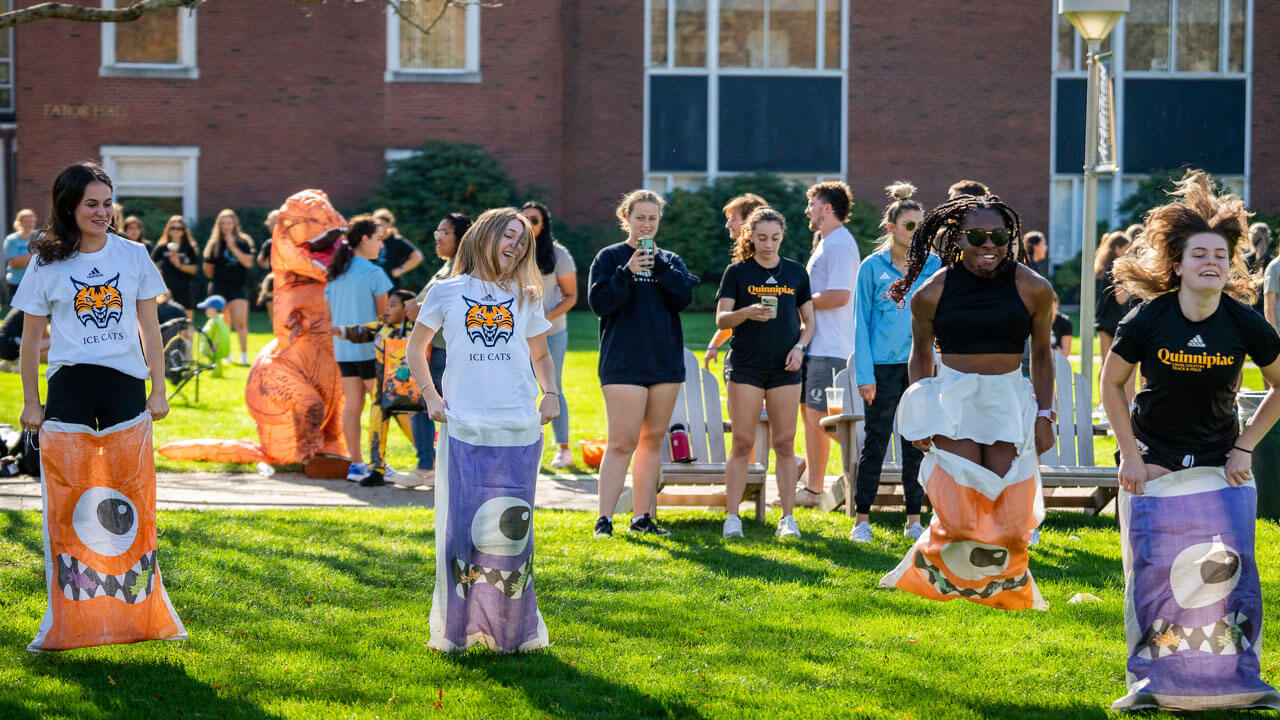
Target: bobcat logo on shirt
[489, 323]
[98, 304]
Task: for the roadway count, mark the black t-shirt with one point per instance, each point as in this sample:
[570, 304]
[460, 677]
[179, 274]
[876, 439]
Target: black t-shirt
[1062, 327]
[1187, 404]
[227, 270]
[395, 251]
[764, 345]
[11, 328]
[179, 283]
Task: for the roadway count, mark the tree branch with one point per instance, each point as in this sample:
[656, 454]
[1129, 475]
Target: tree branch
[64, 11]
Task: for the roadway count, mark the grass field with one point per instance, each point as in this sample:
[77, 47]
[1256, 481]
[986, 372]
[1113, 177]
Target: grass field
[324, 614]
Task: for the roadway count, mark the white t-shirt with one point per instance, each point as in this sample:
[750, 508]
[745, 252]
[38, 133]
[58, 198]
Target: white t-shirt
[488, 375]
[834, 266]
[92, 302]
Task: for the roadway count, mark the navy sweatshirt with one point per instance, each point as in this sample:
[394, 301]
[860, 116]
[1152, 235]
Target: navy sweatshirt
[640, 337]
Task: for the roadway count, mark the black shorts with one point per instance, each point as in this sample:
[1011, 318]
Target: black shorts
[362, 369]
[9, 348]
[94, 395]
[766, 379]
[229, 291]
[1172, 459]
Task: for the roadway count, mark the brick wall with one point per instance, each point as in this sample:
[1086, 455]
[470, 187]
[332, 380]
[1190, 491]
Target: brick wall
[1265, 161]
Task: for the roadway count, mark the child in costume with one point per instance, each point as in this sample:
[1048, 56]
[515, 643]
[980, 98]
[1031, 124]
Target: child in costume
[490, 445]
[216, 329]
[395, 391]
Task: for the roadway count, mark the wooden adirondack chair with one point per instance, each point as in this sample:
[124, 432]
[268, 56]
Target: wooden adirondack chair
[1068, 464]
[698, 409]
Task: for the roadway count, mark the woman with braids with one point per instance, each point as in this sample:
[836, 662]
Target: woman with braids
[764, 298]
[980, 308]
[1187, 505]
[882, 345]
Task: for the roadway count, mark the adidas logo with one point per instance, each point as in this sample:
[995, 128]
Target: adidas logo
[770, 281]
[1195, 342]
[94, 273]
[489, 298]
[885, 276]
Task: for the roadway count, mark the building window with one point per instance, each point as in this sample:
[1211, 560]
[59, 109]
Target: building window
[6, 67]
[708, 61]
[159, 44]
[433, 41]
[161, 178]
[1185, 36]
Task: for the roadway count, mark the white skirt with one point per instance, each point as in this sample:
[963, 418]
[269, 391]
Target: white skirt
[965, 406]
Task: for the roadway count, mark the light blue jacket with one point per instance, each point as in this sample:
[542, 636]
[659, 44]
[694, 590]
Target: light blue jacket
[882, 331]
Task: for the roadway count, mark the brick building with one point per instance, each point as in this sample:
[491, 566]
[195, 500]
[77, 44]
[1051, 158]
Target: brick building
[241, 102]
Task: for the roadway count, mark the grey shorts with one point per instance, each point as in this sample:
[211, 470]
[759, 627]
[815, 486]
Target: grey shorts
[818, 373]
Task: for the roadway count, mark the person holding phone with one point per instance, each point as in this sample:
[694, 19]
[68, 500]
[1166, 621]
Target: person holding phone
[638, 291]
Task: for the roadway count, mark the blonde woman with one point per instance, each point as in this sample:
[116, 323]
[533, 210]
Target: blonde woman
[16, 255]
[638, 291]
[227, 258]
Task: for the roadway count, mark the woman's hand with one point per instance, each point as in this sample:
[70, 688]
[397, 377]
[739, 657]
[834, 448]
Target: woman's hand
[549, 407]
[710, 356]
[923, 444]
[32, 417]
[758, 312]
[795, 358]
[435, 407]
[158, 404]
[1044, 435]
[641, 262]
[1132, 474]
[868, 393]
[1239, 468]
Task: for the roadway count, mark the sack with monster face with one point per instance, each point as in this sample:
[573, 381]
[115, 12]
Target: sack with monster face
[976, 545]
[103, 581]
[485, 475]
[1192, 598]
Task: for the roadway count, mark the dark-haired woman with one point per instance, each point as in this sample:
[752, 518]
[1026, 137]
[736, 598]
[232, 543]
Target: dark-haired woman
[559, 295]
[1187, 503]
[357, 294]
[133, 231]
[1111, 302]
[98, 293]
[980, 308]
[882, 346]
[764, 298]
[178, 257]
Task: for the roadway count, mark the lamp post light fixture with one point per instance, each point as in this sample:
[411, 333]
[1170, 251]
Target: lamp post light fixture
[1094, 20]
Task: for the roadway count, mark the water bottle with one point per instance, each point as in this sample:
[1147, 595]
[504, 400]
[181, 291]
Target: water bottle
[681, 451]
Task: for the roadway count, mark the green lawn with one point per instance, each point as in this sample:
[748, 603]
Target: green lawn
[324, 613]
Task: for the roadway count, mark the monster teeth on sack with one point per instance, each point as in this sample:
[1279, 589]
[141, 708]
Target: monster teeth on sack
[67, 591]
[137, 567]
[121, 596]
[100, 592]
[142, 595]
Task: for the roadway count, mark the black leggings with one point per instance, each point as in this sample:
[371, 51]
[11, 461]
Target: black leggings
[891, 382]
[94, 395]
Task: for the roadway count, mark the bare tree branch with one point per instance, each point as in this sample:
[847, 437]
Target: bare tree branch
[64, 11]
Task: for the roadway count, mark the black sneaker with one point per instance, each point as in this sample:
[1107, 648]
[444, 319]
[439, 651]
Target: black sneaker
[604, 527]
[645, 524]
[373, 479]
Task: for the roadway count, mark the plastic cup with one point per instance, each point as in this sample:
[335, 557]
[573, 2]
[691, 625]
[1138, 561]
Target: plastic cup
[771, 302]
[835, 401]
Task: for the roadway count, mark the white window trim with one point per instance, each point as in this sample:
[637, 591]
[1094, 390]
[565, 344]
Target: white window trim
[185, 67]
[1118, 76]
[190, 156]
[470, 73]
[712, 70]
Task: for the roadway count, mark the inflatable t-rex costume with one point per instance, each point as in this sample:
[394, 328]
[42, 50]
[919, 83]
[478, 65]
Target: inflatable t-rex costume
[294, 390]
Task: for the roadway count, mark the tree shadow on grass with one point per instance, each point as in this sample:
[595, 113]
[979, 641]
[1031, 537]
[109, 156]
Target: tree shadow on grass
[561, 690]
[84, 687]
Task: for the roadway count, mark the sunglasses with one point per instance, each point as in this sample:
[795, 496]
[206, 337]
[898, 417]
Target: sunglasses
[910, 225]
[534, 220]
[978, 238]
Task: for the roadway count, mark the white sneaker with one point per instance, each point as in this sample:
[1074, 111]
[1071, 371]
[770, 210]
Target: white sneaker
[358, 472]
[390, 474]
[914, 531]
[787, 527]
[732, 527]
[418, 478]
[1035, 538]
[861, 533]
[563, 459]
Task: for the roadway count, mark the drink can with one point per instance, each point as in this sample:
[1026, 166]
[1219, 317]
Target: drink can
[771, 302]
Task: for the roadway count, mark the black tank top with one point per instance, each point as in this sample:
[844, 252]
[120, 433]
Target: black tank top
[981, 315]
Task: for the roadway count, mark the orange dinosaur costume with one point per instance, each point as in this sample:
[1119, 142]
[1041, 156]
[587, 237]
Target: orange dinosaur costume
[294, 390]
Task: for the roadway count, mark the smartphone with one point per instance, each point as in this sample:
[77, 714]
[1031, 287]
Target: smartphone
[645, 243]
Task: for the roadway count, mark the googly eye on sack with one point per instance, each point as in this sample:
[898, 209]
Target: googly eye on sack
[972, 560]
[502, 526]
[105, 521]
[1204, 573]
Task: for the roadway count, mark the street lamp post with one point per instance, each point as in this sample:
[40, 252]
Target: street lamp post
[1093, 19]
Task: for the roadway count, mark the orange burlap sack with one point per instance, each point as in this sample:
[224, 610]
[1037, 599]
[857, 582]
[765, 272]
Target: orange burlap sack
[101, 573]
